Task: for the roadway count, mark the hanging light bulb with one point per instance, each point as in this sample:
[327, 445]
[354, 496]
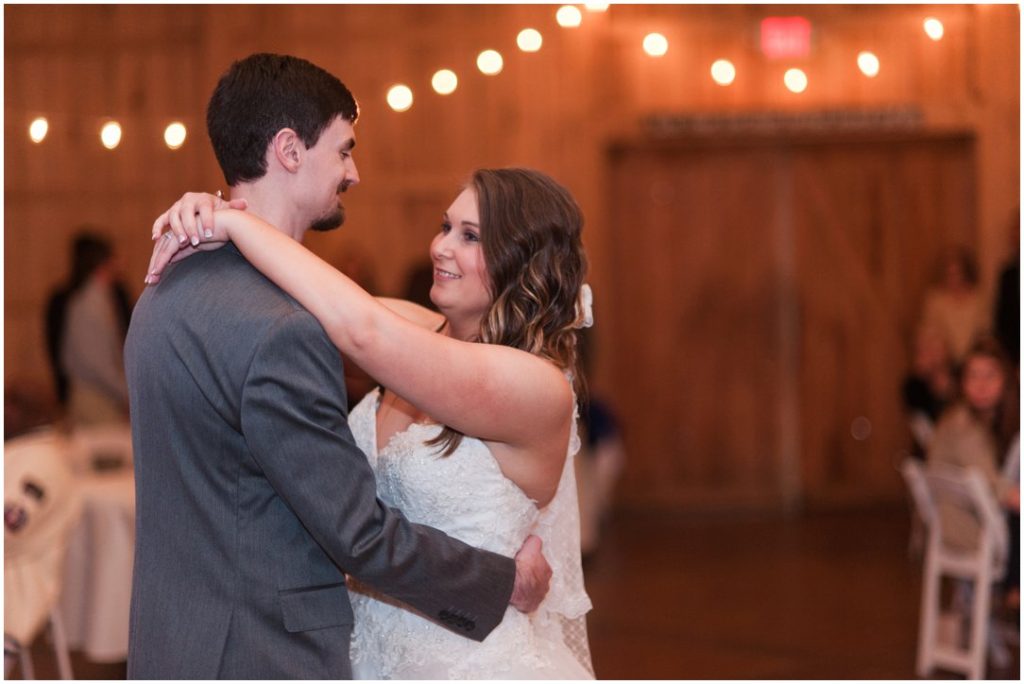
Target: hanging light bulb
[934, 28]
[529, 40]
[490, 62]
[655, 44]
[110, 135]
[400, 97]
[569, 16]
[445, 82]
[723, 72]
[795, 80]
[38, 129]
[175, 134]
[868, 63]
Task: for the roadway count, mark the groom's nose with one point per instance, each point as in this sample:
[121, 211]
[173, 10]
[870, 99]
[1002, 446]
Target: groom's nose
[351, 176]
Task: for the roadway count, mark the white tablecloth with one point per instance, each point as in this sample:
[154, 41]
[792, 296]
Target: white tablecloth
[98, 570]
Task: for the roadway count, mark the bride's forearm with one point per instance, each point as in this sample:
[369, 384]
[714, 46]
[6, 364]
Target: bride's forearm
[347, 312]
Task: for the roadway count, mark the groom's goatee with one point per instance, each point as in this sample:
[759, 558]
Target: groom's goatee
[326, 223]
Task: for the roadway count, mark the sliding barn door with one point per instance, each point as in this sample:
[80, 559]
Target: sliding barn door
[763, 294]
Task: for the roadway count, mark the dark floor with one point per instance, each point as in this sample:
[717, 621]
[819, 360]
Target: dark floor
[828, 596]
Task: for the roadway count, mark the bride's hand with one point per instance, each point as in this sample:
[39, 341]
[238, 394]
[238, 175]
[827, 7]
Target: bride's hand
[181, 217]
[190, 227]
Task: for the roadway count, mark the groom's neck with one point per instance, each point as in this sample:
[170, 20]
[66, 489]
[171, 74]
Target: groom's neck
[273, 206]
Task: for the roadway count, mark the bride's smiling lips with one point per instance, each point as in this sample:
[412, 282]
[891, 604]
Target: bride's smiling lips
[441, 274]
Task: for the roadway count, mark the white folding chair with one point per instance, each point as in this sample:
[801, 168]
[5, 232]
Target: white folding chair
[41, 508]
[980, 566]
[100, 447]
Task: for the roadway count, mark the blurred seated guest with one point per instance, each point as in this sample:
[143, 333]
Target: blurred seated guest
[954, 305]
[601, 458]
[1011, 471]
[87, 320]
[978, 432]
[1006, 323]
[928, 387]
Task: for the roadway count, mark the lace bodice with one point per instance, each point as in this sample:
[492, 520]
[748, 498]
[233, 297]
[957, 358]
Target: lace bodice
[467, 496]
[445, 493]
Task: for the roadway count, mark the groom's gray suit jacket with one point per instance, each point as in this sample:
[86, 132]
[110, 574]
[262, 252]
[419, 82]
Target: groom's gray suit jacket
[252, 498]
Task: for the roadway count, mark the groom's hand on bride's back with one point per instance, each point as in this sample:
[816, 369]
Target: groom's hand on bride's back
[533, 577]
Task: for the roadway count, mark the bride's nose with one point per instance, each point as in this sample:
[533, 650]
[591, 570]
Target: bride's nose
[440, 248]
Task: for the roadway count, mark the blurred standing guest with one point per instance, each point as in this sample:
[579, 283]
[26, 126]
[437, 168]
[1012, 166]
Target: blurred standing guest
[954, 305]
[1007, 311]
[928, 387]
[978, 432]
[86, 323]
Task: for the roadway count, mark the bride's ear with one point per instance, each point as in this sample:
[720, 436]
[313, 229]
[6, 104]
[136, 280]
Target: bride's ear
[287, 149]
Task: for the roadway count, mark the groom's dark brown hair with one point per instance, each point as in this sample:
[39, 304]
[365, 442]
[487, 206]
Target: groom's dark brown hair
[260, 95]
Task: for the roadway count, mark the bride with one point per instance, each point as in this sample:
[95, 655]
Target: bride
[473, 429]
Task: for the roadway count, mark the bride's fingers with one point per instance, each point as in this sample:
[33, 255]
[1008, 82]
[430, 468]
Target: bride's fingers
[189, 209]
[165, 248]
[159, 225]
[206, 220]
[175, 223]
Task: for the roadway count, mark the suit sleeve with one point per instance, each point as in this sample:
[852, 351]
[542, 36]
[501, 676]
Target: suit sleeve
[294, 419]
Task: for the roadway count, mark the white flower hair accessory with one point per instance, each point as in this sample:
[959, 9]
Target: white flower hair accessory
[585, 307]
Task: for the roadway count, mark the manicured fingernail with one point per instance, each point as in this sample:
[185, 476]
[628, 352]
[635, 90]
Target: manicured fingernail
[146, 280]
[182, 239]
[195, 240]
[208, 233]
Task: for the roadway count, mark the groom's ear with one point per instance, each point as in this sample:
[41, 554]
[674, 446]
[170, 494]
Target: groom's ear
[288, 149]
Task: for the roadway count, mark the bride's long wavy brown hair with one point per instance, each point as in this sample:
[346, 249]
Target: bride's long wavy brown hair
[530, 230]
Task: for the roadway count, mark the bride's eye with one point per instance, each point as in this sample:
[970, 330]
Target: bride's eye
[445, 226]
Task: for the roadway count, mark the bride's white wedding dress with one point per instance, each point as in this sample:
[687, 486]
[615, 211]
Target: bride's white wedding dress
[467, 496]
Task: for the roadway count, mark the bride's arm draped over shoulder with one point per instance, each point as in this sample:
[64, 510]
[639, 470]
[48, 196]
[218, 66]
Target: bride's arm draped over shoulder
[492, 392]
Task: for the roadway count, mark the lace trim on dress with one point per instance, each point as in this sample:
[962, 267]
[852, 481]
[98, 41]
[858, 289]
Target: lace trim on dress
[559, 528]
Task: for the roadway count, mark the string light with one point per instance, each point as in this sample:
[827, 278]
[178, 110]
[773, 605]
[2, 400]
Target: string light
[490, 62]
[174, 135]
[596, 6]
[868, 64]
[445, 82]
[934, 28]
[400, 97]
[723, 72]
[795, 80]
[529, 40]
[110, 135]
[569, 16]
[655, 44]
[38, 129]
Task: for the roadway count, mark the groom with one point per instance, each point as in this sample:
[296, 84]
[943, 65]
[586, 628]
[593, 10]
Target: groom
[252, 499]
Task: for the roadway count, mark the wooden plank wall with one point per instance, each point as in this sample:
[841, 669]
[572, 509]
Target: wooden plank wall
[558, 110]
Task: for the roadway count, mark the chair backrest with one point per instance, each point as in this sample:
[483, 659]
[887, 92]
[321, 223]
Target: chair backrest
[966, 489]
[100, 447]
[913, 475]
[40, 500]
[922, 428]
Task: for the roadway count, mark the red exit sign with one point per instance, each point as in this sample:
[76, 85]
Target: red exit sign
[785, 37]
